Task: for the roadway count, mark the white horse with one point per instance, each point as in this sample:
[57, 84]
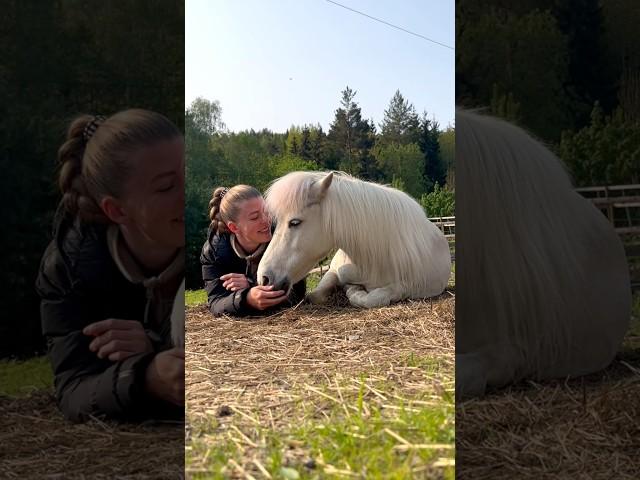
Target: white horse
[542, 282]
[388, 249]
[177, 318]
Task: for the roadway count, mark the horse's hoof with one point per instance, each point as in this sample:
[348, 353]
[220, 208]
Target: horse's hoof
[317, 298]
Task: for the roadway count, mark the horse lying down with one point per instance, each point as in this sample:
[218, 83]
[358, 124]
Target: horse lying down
[542, 282]
[177, 318]
[388, 249]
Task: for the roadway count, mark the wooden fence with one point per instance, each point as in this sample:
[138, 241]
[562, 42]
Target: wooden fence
[621, 205]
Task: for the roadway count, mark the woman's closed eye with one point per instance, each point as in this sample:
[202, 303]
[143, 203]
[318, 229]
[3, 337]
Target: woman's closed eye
[165, 188]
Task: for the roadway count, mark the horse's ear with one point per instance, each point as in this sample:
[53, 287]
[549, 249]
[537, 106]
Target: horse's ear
[318, 189]
[324, 184]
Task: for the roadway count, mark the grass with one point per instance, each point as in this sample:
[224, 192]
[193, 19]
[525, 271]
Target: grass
[195, 297]
[20, 378]
[632, 340]
[352, 434]
[322, 392]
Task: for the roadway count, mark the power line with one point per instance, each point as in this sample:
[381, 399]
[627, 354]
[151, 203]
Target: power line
[392, 25]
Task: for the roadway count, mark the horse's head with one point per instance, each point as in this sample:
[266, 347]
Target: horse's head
[300, 240]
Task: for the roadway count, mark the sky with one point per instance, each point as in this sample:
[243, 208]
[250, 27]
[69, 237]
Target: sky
[276, 63]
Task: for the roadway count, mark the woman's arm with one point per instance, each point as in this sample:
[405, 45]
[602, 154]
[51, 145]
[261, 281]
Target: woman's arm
[219, 299]
[86, 385]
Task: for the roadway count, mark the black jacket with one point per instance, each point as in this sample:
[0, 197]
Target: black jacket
[219, 258]
[79, 283]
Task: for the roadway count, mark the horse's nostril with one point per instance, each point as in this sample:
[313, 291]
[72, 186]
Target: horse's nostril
[265, 281]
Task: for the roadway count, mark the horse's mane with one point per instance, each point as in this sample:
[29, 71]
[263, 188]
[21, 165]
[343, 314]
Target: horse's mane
[348, 216]
[517, 217]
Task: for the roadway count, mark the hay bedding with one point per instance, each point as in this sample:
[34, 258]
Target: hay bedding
[277, 372]
[584, 428]
[37, 443]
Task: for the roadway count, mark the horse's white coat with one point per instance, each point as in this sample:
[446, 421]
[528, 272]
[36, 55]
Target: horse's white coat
[542, 281]
[388, 249]
[177, 318]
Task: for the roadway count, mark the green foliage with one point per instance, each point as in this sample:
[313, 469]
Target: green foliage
[441, 202]
[516, 62]
[605, 152]
[447, 140]
[400, 123]
[544, 64]
[351, 138]
[280, 165]
[403, 163]
[434, 168]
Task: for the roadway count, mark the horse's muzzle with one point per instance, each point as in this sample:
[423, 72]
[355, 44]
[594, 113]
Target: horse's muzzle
[269, 279]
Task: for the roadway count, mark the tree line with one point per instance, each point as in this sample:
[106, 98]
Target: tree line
[408, 150]
[566, 70]
[60, 59]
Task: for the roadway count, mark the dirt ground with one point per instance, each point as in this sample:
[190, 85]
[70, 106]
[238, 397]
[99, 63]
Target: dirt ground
[36, 442]
[275, 373]
[587, 428]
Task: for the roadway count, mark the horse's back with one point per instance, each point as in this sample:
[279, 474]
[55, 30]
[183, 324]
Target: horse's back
[542, 272]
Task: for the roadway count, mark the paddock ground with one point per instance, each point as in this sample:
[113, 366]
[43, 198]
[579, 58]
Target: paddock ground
[584, 428]
[36, 442]
[322, 392]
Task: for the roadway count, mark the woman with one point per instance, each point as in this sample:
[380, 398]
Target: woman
[239, 233]
[109, 277]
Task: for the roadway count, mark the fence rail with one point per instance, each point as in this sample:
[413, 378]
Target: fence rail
[621, 205]
[447, 225]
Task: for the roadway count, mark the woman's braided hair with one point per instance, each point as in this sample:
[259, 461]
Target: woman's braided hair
[94, 161]
[224, 205]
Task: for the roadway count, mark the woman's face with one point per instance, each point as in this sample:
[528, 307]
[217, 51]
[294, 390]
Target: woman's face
[253, 224]
[154, 195]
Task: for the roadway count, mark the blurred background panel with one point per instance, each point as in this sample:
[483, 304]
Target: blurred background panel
[568, 74]
[60, 59]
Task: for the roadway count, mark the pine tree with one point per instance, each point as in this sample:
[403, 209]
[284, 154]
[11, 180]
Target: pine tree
[305, 143]
[429, 142]
[349, 135]
[318, 139]
[401, 122]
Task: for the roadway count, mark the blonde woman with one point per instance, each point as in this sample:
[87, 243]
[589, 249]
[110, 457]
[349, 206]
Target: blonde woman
[109, 277]
[239, 233]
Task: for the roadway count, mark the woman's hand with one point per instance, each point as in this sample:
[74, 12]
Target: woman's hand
[164, 377]
[261, 298]
[234, 281]
[117, 339]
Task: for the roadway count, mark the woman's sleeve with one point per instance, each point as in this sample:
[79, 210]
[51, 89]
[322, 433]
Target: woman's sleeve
[220, 300]
[86, 385]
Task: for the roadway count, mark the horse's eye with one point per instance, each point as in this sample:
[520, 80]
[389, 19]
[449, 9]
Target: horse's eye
[294, 223]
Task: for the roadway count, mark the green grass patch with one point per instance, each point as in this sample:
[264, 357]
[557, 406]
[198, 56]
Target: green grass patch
[18, 378]
[394, 434]
[313, 279]
[632, 339]
[195, 297]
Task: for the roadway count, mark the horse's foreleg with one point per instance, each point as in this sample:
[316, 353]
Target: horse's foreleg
[340, 269]
[471, 376]
[378, 297]
[493, 366]
[324, 289]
